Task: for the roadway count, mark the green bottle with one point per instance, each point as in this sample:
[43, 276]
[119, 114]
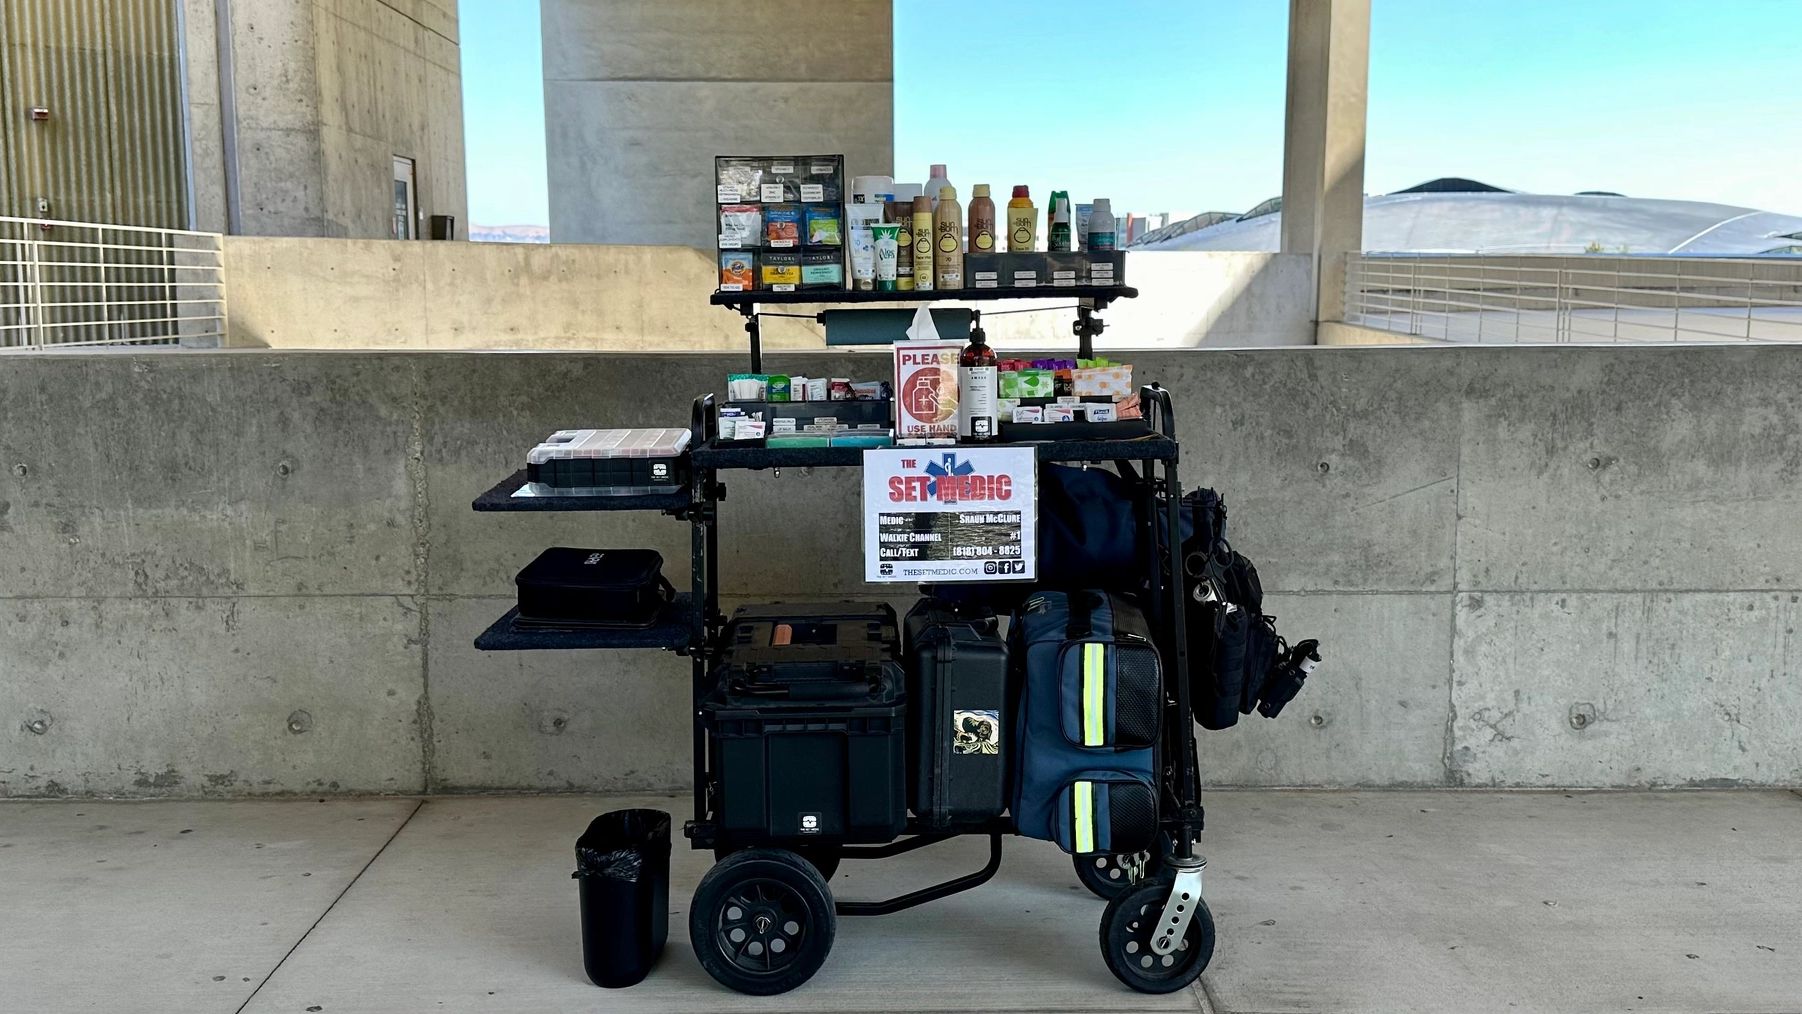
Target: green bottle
[1060, 224]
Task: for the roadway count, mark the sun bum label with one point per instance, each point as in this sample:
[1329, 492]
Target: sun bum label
[904, 249]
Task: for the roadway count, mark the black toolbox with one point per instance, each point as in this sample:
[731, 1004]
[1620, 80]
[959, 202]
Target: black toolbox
[807, 723]
[569, 587]
[958, 725]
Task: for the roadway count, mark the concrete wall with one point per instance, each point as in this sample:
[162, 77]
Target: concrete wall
[390, 84]
[252, 572]
[321, 294]
[639, 98]
[328, 92]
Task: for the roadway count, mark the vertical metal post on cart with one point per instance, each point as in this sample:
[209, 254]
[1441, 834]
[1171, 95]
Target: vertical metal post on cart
[703, 589]
[755, 333]
[1087, 327]
[1158, 403]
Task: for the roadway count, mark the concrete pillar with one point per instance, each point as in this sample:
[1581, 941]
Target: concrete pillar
[639, 97]
[317, 98]
[1323, 145]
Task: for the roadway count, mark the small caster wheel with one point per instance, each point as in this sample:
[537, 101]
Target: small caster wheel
[1107, 876]
[1126, 929]
[824, 858]
[762, 921]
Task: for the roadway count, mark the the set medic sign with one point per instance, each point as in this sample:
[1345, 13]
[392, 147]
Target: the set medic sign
[950, 514]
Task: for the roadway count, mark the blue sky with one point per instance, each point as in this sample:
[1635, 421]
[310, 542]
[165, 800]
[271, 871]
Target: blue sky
[1182, 108]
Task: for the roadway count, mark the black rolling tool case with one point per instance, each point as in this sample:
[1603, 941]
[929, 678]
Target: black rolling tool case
[958, 722]
[568, 587]
[807, 721]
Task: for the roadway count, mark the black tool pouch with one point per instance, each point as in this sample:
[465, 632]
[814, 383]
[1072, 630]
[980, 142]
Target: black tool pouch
[1233, 640]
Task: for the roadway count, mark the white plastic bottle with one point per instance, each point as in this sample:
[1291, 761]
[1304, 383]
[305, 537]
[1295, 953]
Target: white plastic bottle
[1101, 226]
[936, 180]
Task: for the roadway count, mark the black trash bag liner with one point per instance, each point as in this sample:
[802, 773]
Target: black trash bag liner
[622, 874]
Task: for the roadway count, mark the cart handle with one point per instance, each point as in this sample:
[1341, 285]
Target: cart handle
[1163, 419]
[703, 420]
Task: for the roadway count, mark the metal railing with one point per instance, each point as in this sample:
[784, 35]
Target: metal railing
[1591, 298]
[72, 284]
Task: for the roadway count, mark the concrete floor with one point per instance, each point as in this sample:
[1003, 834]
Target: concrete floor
[1325, 901]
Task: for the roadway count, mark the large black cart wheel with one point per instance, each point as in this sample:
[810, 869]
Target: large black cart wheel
[762, 921]
[1126, 928]
[1109, 876]
[824, 858]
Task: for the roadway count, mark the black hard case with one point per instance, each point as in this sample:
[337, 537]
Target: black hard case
[959, 723]
[834, 650]
[809, 738]
[565, 586]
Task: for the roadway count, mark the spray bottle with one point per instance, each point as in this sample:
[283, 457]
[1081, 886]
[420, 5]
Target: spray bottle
[923, 245]
[948, 238]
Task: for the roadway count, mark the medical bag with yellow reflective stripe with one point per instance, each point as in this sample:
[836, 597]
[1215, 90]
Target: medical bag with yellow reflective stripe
[1090, 711]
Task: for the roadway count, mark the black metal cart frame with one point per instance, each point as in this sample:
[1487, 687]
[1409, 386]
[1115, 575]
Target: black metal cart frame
[694, 625]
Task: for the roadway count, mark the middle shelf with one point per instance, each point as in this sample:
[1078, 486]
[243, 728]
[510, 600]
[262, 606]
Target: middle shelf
[501, 498]
[674, 629]
[1147, 448]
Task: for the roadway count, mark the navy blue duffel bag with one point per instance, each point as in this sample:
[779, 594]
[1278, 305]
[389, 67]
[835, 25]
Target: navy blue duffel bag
[1090, 711]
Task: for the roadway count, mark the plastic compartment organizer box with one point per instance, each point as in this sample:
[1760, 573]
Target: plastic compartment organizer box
[608, 462]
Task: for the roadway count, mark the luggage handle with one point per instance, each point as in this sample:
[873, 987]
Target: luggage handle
[1082, 616]
[839, 687]
[827, 691]
[813, 691]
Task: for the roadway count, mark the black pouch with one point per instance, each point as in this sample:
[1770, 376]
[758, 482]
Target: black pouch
[568, 587]
[1234, 641]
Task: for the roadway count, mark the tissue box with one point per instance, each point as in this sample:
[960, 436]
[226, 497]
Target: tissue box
[1102, 381]
[1035, 384]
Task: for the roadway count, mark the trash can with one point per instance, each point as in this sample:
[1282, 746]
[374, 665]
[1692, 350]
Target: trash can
[622, 873]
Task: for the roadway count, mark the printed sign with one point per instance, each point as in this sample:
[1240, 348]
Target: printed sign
[950, 514]
[926, 391]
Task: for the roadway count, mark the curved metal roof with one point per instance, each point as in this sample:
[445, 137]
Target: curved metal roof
[1453, 185]
[1503, 222]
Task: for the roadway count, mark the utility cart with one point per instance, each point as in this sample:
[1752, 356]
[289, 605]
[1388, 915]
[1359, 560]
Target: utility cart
[763, 919]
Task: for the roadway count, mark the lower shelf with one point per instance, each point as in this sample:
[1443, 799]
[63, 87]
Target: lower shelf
[674, 629]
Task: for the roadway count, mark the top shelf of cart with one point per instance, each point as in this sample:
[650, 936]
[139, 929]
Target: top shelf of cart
[1101, 294]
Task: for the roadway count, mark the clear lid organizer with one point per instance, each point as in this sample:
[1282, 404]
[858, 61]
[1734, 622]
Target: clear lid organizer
[607, 462]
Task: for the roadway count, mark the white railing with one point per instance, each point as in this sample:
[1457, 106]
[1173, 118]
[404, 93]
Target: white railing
[1589, 298]
[71, 284]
